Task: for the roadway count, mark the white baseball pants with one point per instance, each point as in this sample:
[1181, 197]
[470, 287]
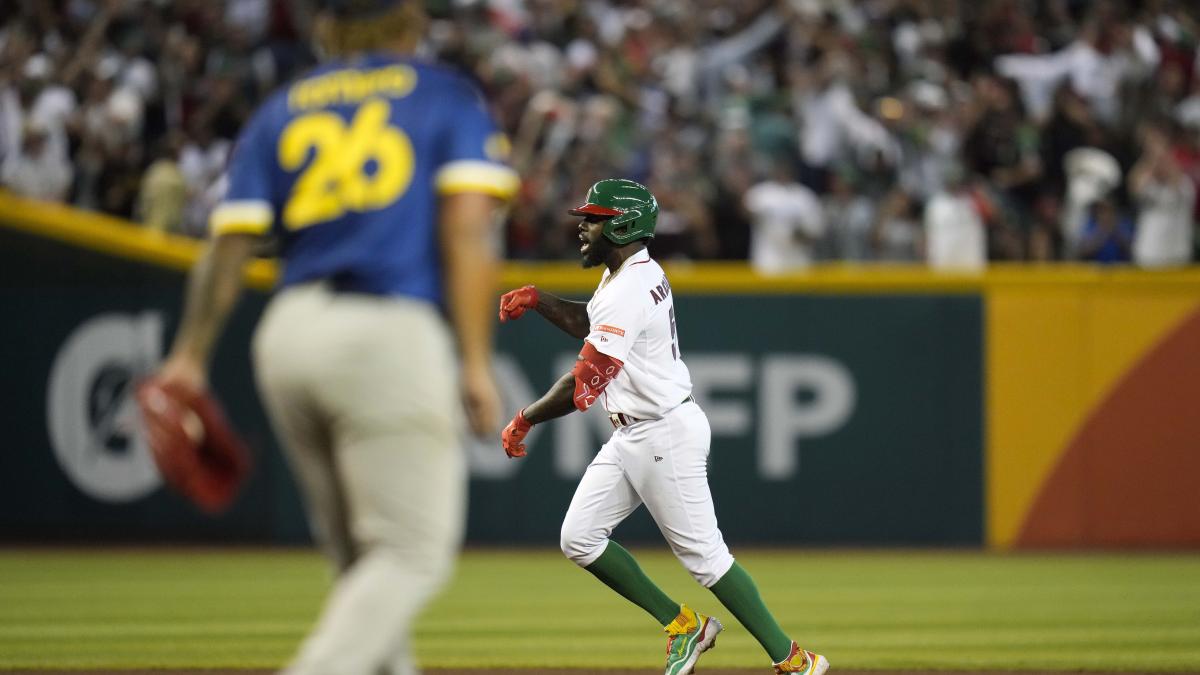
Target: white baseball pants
[662, 463]
[362, 392]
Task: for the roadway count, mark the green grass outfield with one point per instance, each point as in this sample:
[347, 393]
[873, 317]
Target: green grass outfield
[874, 610]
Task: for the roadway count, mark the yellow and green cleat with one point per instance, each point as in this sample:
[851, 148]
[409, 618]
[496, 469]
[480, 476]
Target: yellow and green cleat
[688, 636]
[802, 661]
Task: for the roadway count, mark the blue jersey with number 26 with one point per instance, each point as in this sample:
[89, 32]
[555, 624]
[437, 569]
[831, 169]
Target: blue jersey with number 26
[347, 164]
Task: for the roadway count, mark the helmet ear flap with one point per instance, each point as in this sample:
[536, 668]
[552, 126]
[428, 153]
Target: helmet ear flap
[631, 216]
[617, 229]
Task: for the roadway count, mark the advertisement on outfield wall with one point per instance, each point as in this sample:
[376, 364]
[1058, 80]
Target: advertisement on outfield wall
[835, 420]
[851, 420]
[1021, 407]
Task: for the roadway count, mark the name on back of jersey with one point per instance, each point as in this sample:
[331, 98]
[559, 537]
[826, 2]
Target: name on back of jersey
[661, 291]
[352, 86]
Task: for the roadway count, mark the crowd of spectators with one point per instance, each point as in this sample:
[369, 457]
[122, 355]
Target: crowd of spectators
[780, 131]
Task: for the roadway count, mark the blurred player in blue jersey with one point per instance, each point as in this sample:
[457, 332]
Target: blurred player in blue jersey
[379, 176]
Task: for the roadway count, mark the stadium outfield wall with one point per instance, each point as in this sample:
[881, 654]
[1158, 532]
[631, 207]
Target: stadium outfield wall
[1026, 406]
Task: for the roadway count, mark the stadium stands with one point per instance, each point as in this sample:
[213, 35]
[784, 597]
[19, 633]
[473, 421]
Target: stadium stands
[779, 131]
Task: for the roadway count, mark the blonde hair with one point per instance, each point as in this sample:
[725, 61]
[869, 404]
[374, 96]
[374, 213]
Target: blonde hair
[397, 29]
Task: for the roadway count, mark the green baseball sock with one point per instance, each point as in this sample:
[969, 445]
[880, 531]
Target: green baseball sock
[620, 572]
[736, 590]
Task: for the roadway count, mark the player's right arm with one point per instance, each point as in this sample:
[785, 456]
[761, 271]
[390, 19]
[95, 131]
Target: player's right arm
[214, 285]
[571, 317]
[215, 282]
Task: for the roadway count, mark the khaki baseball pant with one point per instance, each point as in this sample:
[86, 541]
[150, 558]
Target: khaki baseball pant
[362, 392]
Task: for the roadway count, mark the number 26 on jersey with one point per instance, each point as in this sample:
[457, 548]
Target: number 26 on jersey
[361, 166]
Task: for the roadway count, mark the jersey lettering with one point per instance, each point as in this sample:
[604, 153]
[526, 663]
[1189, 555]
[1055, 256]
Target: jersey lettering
[661, 291]
[654, 376]
[364, 166]
[352, 86]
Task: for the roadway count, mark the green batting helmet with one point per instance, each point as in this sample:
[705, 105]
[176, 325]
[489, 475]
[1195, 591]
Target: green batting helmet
[633, 209]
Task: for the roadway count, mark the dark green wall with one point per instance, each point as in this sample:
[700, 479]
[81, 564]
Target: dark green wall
[905, 466]
[836, 419]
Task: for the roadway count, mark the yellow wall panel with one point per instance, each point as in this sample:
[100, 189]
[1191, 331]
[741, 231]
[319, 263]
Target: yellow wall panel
[1035, 396]
[1053, 355]
[1123, 324]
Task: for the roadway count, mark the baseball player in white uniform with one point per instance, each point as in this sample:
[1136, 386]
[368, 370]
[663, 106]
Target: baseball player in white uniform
[658, 453]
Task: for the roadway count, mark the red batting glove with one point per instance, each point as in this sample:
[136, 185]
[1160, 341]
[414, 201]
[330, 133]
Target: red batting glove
[513, 435]
[514, 303]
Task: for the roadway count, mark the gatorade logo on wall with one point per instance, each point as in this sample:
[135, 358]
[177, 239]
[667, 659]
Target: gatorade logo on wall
[90, 412]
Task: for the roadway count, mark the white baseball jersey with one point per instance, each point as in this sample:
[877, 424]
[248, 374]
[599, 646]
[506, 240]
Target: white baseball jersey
[632, 318]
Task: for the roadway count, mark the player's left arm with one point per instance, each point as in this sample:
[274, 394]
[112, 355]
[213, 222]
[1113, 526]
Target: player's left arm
[557, 402]
[577, 390]
[471, 271]
[473, 180]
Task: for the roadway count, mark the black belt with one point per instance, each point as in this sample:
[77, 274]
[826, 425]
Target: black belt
[622, 420]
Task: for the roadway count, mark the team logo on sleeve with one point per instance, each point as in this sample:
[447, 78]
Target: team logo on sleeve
[497, 147]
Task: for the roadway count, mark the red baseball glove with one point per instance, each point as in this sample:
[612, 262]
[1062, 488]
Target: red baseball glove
[514, 303]
[197, 452]
[514, 434]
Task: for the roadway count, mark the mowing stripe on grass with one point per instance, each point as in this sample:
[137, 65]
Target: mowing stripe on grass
[875, 610]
